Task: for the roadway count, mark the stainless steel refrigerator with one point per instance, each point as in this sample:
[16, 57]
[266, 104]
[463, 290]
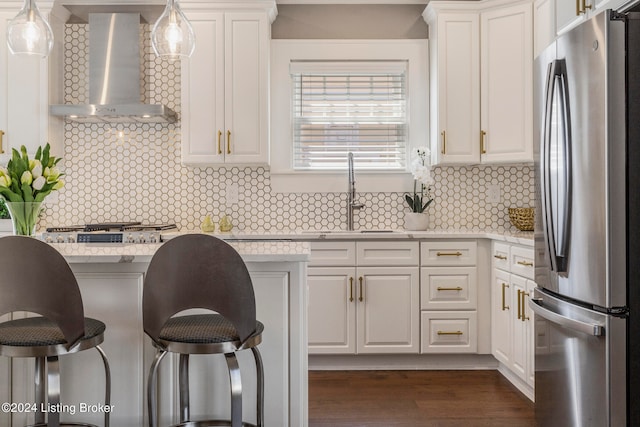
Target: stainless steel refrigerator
[587, 267]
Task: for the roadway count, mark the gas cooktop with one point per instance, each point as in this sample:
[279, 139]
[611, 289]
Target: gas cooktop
[107, 232]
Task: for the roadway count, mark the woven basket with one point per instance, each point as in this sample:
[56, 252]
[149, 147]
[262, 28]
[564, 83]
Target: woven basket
[522, 218]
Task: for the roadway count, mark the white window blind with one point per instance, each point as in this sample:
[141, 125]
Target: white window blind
[349, 106]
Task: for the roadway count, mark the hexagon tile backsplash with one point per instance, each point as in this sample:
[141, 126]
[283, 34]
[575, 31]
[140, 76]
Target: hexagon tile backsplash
[133, 172]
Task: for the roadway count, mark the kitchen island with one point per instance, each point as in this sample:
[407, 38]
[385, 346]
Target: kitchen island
[111, 278]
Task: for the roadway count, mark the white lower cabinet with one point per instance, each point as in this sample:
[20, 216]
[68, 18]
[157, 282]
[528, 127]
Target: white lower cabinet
[390, 297]
[332, 310]
[362, 308]
[512, 323]
[387, 310]
[448, 297]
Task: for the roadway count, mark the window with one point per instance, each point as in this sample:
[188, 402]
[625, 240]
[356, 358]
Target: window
[308, 147]
[341, 107]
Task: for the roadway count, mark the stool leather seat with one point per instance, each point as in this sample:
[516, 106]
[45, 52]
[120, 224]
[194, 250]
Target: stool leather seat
[203, 329]
[42, 332]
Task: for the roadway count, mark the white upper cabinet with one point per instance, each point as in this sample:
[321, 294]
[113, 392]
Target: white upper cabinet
[544, 25]
[23, 96]
[225, 89]
[455, 87]
[570, 13]
[506, 85]
[481, 81]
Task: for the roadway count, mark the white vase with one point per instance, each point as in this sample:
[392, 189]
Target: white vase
[416, 221]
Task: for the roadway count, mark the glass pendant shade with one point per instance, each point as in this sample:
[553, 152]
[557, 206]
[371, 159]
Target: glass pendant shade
[29, 33]
[172, 36]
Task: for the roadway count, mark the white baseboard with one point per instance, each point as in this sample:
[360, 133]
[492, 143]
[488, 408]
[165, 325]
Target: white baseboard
[321, 362]
[521, 385]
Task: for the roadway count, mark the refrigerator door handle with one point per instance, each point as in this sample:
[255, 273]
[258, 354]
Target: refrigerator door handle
[595, 329]
[556, 216]
[544, 164]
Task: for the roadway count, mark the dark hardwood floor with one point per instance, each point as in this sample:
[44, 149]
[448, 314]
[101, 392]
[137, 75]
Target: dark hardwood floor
[416, 398]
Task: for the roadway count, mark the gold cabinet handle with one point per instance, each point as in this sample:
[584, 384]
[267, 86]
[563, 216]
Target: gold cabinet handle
[525, 263]
[228, 142]
[519, 304]
[350, 289]
[444, 142]
[219, 146]
[523, 294]
[360, 297]
[504, 306]
[449, 253]
[483, 149]
[578, 9]
[502, 257]
[585, 6]
[450, 333]
[457, 288]
[1, 142]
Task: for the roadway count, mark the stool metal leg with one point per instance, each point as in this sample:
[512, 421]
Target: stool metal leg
[236, 389]
[107, 387]
[41, 388]
[152, 397]
[53, 383]
[259, 387]
[184, 388]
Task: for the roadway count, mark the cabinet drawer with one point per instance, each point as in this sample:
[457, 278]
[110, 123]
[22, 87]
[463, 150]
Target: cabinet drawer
[387, 253]
[521, 261]
[500, 256]
[434, 253]
[333, 254]
[448, 332]
[448, 288]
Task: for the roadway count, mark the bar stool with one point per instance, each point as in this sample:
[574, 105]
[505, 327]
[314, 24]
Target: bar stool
[37, 279]
[200, 271]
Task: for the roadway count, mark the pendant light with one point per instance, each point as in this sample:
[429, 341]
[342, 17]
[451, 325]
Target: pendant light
[29, 33]
[172, 36]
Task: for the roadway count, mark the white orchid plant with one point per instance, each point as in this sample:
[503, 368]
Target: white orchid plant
[25, 180]
[420, 168]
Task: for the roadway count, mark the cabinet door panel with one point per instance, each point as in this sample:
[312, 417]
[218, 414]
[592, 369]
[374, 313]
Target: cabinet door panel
[520, 327]
[387, 253]
[544, 31]
[448, 253]
[203, 97]
[115, 299]
[458, 93]
[506, 84]
[332, 254]
[332, 306]
[388, 320]
[449, 332]
[567, 15]
[521, 261]
[246, 41]
[23, 98]
[448, 288]
[501, 316]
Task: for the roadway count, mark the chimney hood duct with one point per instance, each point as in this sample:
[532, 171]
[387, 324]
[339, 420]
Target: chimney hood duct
[114, 75]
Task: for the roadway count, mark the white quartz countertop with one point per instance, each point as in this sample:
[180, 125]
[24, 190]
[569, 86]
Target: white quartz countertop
[273, 246]
[254, 251]
[521, 237]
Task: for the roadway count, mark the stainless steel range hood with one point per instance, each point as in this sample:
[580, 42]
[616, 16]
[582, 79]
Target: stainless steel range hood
[114, 75]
